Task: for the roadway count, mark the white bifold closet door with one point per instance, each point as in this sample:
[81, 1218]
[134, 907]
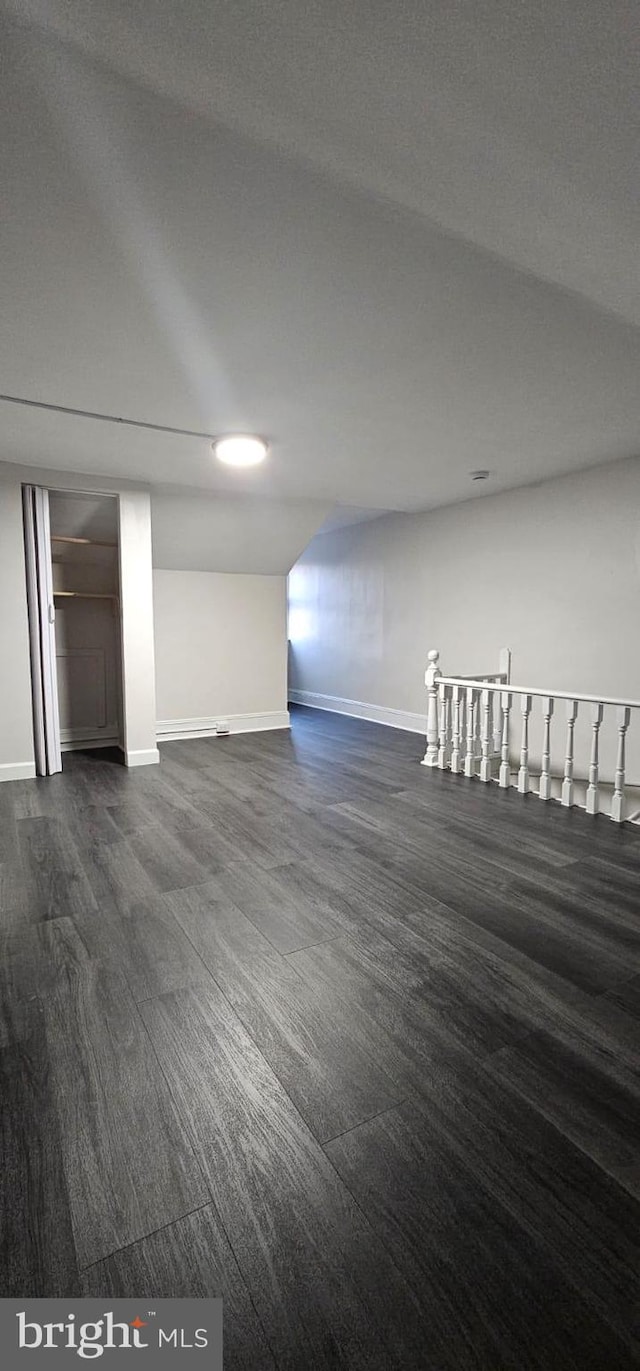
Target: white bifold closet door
[42, 634]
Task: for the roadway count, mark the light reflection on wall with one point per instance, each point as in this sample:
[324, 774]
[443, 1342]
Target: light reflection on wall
[301, 619]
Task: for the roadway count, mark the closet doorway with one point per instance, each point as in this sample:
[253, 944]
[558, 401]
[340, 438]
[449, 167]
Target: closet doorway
[75, 626]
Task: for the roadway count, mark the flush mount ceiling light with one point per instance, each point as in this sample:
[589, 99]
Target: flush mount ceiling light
[240, 449]
[479, 475]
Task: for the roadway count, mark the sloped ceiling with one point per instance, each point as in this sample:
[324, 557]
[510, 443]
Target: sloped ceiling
[228, 533]
[399, 239]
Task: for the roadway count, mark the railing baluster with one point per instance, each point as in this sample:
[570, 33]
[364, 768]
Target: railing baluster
[470, 755]
[505, 769]
[496, 723]
[617, 802]
[477, 723]
[593, 798]
[455, 731]
[443, 750]
[485, 737]
[545, 776]
[431, 681]
[523, 774]
[567, 784]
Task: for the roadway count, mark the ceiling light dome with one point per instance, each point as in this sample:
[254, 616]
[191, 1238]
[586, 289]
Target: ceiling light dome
[240, 449]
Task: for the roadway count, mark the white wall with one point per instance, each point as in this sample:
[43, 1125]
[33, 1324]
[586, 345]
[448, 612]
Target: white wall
[551, 571]
[220, 651]
[220, 563]
[136, 605]
[16, 730]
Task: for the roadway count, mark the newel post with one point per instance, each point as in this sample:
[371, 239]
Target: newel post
[431, 681]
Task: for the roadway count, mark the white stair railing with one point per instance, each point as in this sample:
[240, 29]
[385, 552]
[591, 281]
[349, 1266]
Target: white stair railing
[468, 729]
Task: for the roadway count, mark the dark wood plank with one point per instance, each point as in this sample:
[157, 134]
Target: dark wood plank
[495, 1297]
[208, 847]
[256, 839]
[409, 1041]
[599, 878]
[129, 1164]
[437, 934]
[559, 941]
[324, 1066]
[118, 879]
[37, 1252]
[478, 843]
[15, 905]
[54, 877]
[581, 1083]
[325, 1289]
[22, 800]
[589, 1227]
[166, 860]
[369, 884]
[539, 829]
[592, 907]
[626, 996]
[146, 945]
[152, 800]
[484, 988]
[190, 1259]
[277, 904]
[329, 1075]
[98, 777]
[97, 825]
[33, 960]
[229, 944]
[19, 1004]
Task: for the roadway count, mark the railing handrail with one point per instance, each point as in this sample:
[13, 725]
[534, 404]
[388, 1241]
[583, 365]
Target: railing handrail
[467, 682]
[490, 676]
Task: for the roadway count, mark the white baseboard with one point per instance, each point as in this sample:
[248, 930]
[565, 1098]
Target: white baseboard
[143, 757]
[357, 709]
[17, 771]
[170, 730]
[102, 739]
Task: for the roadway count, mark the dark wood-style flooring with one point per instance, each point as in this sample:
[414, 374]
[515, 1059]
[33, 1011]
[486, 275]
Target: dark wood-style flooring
[293, 1020]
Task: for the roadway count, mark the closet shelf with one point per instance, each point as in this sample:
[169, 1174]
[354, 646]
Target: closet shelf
[85, 594]
[82, 542]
